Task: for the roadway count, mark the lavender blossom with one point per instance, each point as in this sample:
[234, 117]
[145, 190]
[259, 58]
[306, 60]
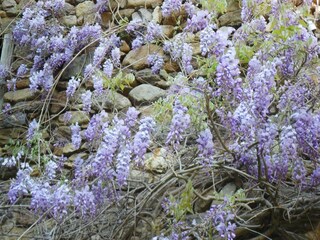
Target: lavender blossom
[171, 6]
[198, 21]
[11, 84]
[22, 184]
[205, 146]
[154, 31]
[61, 201]
[100, 52]
[102, 5]
[227, 77]
[187, 57]
[156, 62]
[86, 100]
[94, 129]
[131, 116]
[22, 70]
[3, 72]
[142, 139]
[221, 220]
[137, 42]
[33, 127]
[179, 124]
[108, 68]
[115, 55]
[7, 109]
[84, 202]
[97, 84]
[51, 169]
[123, 165]
[75, 135]
[73, 84]
[41, 199]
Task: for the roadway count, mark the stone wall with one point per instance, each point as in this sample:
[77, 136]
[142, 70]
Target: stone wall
[145, 89]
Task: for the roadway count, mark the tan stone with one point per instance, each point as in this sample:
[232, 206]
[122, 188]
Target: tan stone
[80, 117]
[11, 133]
[137, 58]
[157, 161]
[114, 4]
[58, 101]
[124, 47]
[67, 150]
[171, 66]
[85, 8]
[23, 83]
[3, 14]
[157, 15]
[167, 30]
[20, 95]
[145, 94]
[232, 19]
[196, 48]
[69, 20]
[144, 3]
[126, 12]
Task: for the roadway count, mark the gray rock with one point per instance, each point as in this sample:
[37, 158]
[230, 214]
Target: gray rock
[69, 20]
[110, 100]
[20, 95]
[137, 59]
[76, 66]
[66, 150]
[144, 3]
[69, 9]
[11, 133]
[29, 106]
[145, 94]
[85, 8]
[232, 5]
[157, 161]
[146, 14]
[157, 15]
[79, 117]
[14, 120]
[146, 76]
[7, 4]
[232, 19]
[10, 7]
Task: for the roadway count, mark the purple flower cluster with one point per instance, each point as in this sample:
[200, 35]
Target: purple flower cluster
[123, 165]
[221, 219]
[12, 160]
[154, 31]
[84, 202]
[227, 77]
[156, 62]
[198, 21]
[86, 100]
[142, 34]
[3, 72]
[180, 50]
[33, 128]
[171, 6]
[95, 127]
[214, 43]
[179, 124]
[51, 169]
[75, 135]
[142, 139]
[22, 184]
[205, 147]
[73, 84]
